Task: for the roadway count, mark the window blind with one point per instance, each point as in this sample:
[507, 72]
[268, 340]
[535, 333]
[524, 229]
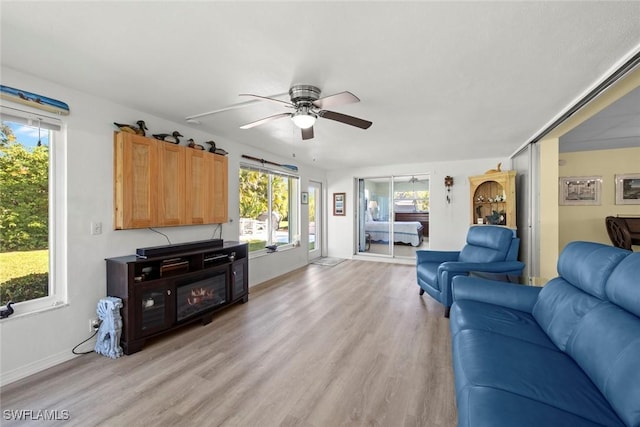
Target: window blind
[30, 119]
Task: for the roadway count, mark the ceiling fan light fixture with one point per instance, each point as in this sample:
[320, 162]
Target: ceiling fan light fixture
[307, 108]
[304, 118]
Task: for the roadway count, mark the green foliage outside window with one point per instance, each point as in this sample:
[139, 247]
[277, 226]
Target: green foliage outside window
[256, 187]
[24, 218]
[254, 190]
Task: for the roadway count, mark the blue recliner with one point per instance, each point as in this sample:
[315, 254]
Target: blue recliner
[489, 248]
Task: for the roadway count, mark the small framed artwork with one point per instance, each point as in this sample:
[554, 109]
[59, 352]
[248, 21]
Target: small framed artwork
[304, 199]
[580, 190]
[628, 189]
[339, 204]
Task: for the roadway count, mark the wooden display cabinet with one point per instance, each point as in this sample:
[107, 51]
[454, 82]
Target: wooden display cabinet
[493, 198]
[162, 293]
[158, 184]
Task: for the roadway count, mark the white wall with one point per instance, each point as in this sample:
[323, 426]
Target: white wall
[34, 342]
[448, 223]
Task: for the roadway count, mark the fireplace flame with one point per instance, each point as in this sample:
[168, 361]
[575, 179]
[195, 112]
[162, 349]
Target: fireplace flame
[198, 295]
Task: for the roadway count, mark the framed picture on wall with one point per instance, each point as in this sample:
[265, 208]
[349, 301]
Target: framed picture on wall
[628, 189]
[339, 204]
[580, 190]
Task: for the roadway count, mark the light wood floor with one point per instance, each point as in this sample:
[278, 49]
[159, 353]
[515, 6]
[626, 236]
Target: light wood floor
[399, 250]
[347, 345]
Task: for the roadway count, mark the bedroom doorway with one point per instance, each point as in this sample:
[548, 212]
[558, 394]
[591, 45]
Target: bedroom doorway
[396, 206]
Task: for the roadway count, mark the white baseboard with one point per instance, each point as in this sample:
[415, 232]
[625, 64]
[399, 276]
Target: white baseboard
[35, 367]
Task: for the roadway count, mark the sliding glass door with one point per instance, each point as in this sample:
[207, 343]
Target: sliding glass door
[374, 211]
[393, 215]
[315, 219]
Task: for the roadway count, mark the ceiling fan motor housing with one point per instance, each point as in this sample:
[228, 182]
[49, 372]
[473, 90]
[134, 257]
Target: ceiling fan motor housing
[304, 94]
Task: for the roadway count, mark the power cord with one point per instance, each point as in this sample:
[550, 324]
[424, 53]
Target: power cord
[85, 352]
[217, 229]
[159, 232]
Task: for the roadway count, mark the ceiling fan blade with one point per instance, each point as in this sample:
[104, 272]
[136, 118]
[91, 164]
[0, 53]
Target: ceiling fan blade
[230, 107]
[220, 110]
[341, 98]
[307, 133]
[343, 118]
[265, 120]
[266, 98]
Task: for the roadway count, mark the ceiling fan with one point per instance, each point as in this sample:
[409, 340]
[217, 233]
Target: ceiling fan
[308, 106]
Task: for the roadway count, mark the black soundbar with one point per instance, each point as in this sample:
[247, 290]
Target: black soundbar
[156, 251]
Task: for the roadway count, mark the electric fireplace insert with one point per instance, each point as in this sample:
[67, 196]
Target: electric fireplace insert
[201, 295]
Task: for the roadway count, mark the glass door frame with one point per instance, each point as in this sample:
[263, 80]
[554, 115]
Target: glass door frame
[363, 240]
[315, 203]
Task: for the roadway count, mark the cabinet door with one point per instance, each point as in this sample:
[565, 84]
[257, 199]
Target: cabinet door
[155, 308]
[196, 186]
[239, 279]
[135, 176]
[217, 194]
[206, 188]
[171, 188]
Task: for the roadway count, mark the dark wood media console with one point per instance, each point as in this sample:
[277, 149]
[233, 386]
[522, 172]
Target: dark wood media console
[165, 292]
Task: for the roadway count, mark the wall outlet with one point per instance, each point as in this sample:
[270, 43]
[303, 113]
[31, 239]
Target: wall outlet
[96, 228]
[94, 325]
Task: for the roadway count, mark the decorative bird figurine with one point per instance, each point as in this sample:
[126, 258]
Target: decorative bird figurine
[142, 126]
[139, 130]
[212, 145]
[193, 144]
[172, 138]
[6, 312]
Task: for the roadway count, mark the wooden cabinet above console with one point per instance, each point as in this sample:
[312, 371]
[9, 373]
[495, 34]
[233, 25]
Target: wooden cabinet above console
[158, 184]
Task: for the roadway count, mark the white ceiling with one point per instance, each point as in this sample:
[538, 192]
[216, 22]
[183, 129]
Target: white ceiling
[617, 126]
[439, 80]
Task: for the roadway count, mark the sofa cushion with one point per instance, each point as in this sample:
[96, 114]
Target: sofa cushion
[623, 284]
[483, 359]
[469, 314]
[484, 245]
[583, 266]
[559, 309]
[588, 265]
[606, 345]
[488, 407]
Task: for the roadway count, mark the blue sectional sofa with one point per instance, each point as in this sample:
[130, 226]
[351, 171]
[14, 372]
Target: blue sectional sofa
[567, 354]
